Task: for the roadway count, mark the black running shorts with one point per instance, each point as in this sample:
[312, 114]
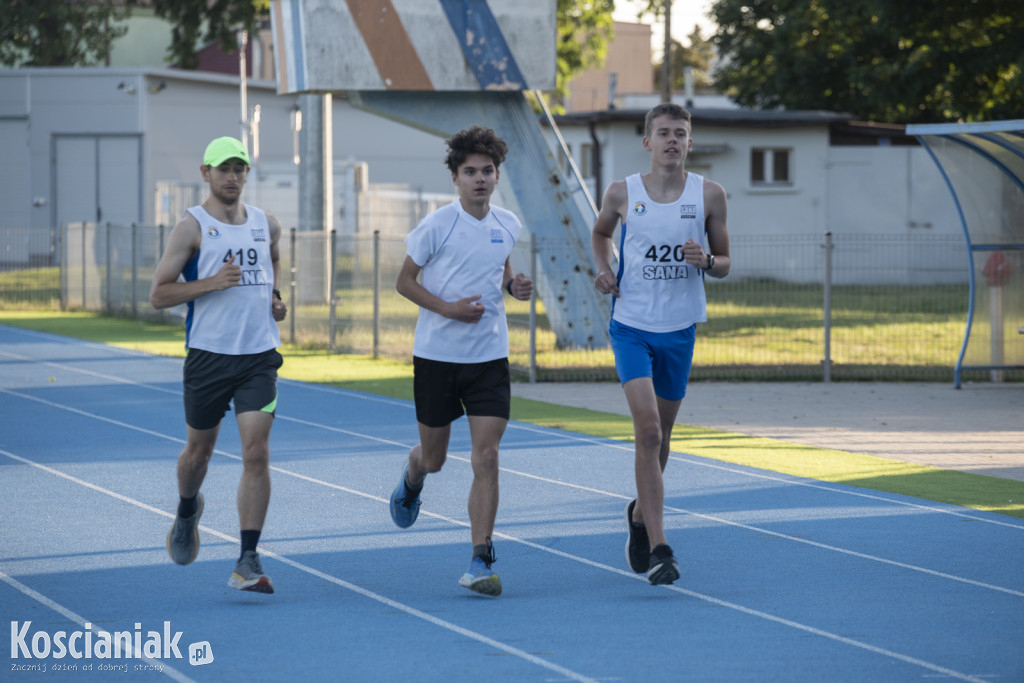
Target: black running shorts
[443, 389]
[213, 380]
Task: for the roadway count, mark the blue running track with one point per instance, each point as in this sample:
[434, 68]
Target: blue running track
[783, 579]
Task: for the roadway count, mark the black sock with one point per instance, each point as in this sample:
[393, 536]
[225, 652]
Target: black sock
[250, 537]
[186, 506]
[413, 491]
[485, 551]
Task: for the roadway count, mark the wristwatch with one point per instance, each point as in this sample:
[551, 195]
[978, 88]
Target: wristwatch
[711, 262]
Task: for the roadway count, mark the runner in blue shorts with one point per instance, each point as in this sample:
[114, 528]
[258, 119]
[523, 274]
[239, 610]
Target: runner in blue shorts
[673, 233]
[665, 357]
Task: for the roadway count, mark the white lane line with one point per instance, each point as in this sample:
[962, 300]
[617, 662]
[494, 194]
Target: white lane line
[556, 482]
[548, 432]
[568, 556]
[411, 611]
[164, 667]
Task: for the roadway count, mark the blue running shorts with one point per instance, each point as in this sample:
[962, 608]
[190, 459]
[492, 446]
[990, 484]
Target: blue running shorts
[665, 357]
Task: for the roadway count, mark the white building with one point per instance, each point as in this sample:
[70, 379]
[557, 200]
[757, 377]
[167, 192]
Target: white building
[84, 144]
[785, 172]
[110, 144]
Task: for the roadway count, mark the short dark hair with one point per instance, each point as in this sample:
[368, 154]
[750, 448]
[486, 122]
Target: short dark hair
[474, 140]
[665, 108]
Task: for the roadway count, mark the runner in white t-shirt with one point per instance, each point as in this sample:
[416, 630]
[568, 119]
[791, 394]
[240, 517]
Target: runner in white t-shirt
[226, 253]
[673, 234]
[457, 271]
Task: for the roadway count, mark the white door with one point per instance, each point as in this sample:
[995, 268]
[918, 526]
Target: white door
[97, 178]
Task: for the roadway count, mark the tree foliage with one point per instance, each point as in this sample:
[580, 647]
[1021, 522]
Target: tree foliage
[205, 22]
[584, 29]
[698, 55]
[894, 61]
[58, 32]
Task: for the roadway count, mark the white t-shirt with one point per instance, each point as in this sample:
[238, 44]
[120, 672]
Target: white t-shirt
[461, 256]
[658, 290]
[237, 320]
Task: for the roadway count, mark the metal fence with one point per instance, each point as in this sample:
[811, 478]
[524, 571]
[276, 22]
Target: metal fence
[798, 307]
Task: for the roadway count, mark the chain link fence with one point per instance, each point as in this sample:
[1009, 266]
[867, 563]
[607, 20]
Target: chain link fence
[800, 307]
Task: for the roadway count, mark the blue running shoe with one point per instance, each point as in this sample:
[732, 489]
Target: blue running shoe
[404, 508]
[480, 578]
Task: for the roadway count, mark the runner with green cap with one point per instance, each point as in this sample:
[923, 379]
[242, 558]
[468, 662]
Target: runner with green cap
[222, 261]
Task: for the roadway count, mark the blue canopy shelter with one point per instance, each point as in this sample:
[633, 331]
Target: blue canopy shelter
[983, 165]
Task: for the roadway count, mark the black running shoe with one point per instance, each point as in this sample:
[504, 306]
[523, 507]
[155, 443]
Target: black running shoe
[638, 547]
[663, 569]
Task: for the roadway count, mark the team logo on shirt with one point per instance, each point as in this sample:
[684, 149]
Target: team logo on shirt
[258, 235]
[496, 236]
[213, 233]
[640, 209]
[687, 210]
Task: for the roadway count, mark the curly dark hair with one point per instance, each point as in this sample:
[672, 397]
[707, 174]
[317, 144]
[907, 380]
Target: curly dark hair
[474, 140]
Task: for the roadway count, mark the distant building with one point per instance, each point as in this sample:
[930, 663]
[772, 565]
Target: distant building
[627, 71]
[786, 172]
[104, 144]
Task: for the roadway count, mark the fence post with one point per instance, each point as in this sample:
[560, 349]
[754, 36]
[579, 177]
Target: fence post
[376, 291]
[135, 276]
[332, 315]
[291, 289]
[533, 310]
[84, 262]
[106, 303]
[64, 266]
[827, 360]
[995, 314]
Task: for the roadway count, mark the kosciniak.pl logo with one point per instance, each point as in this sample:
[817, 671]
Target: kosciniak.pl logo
[93, 643]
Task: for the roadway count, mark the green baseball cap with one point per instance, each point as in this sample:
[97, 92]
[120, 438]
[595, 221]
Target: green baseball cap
[222, 149]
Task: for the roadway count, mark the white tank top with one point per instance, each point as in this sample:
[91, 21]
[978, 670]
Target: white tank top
[237, 320]
[658, 290]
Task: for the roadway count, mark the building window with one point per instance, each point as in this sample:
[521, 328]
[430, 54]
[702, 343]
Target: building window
[587, 160]
[770, 166]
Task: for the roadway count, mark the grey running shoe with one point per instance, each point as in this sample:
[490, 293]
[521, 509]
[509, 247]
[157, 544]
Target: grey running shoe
[249, 576]
[183, 538]
[638, 546]
[663, 569]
